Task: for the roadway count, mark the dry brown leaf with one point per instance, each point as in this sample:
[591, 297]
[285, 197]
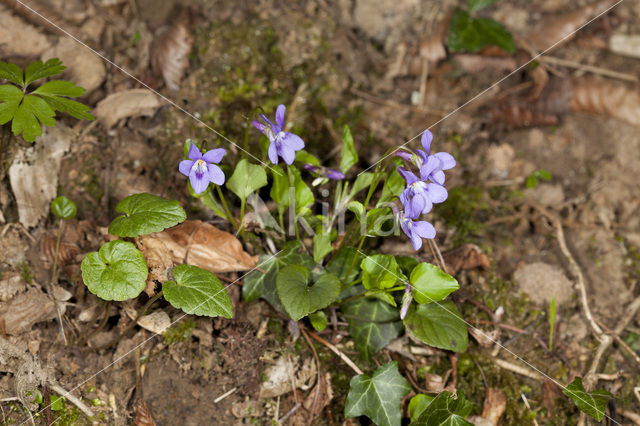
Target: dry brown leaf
[159, 261]
[170, 52]
[202, 244]
[84, 68]
[625, 44]
[66, 253]
[25, 310]
[156, 322]
[320, 395]
[465, 257]
[476, 63]
[485, 338]
[143, 414]
[550, 394]
[495, 404]
[28, 41]
[11, 284]
[556, 29]
[596, 96]
[125, 104]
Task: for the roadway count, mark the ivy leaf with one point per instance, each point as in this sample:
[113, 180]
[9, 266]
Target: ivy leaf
[379, 271]
[439, 325]
[345, 261]
[146, 213]
[475, 5]
[372, 324]
[349, 156]
[298, 298]
[31, 112]
[418, 404]
[431, 284]
[591, 403]
[378, 397]
[116, 272]
[37, 70]
[318, 320]
[469, 34]
[444, 410]
[11, 72]
[198, 292]
[246, 179]
[10, 96]
[63, 208]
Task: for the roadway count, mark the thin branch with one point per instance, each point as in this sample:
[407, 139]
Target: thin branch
[75, 401]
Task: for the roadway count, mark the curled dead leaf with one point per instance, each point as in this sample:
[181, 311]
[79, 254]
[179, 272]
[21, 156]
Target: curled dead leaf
[159, 261]
[320, 395]
[127, 103]
[156, 322]
[287, 371]
[202, 244]
[66, 253]
[170, 51]
[596, 96]
[465, 257]
[143, 414]
[495, 404]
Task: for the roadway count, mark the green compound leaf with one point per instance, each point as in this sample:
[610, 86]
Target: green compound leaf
[63, 208]
[444, 410]
[116, 272]
[197, 292]
[298, 298]
[431, 284]
[349, 156]
[469, 34]
[418, 404]
[378, 397]
[372, 324]
[439, 325]
[475, 5]
[146, 213]
[11, 72]
[379, 271]
[246, 179]
[60, 88]
[591, 403]
[31, 112]
[10, 96]
[318, 320]
[37, 70]
[52, 93]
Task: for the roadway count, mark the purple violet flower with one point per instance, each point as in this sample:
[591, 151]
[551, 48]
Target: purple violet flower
[324, 171]
[419, 196]
[283, 144]
[415, 230]
[201, 168]
[407, 297]
[429, 168]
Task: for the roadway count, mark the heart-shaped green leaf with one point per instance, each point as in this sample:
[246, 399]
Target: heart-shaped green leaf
[444, 410]
[378, 397]
[246, 178]
[198, 292]
[63, 208]
[379, 271]
[144, 214]
[372, 324]
[318, 320]
[116, 272]
[298, 298]
[591, 403]
[431, 284]
[439, 325]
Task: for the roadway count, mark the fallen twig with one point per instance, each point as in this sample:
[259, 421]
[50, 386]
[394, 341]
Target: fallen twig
[589, 68]
[634, 417]
[337, 351]
[518, 369]
[75, 401]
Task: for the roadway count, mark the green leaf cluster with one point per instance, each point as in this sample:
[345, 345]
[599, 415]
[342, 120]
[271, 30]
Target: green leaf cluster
[468, 33]
[29, 110]
[591, 403]
[443, 410]
[534, 178]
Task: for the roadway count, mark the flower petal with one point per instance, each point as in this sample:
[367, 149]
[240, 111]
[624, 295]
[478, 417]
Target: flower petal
[416, 241]
[194, 152]
[437, 193]
[424, 229]
[292, 141]
[185, 167]
[405, 197]
[258, 125]
[418, 203]
[287, 153]
[408, 176]
[438, 177]
[427, 137]
[429, 167]
[404, 155]
[214, 155]
[280, 115]
[428, 204]
[273, 153]
[447, 160]
[199, 181]
[216, 175]
[404, 224]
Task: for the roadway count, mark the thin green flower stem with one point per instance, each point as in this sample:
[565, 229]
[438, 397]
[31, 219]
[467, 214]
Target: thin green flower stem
[226, 208]
[355, 256]
[295, 214]
[242, 205]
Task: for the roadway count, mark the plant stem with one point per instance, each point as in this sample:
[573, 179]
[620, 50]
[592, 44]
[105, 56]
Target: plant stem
[242, 204]
[54, 273]
[226, 208]
[355, 256]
